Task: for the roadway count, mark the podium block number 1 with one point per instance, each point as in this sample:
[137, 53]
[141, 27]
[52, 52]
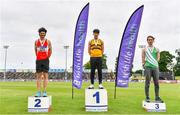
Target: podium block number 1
[96, 95]
[37, 103]
[96, 100]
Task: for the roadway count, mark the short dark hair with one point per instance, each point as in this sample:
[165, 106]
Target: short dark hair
[150, 37]
[96, 31]
[42, 29]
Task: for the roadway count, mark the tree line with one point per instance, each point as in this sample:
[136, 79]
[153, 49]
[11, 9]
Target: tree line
[166, 63]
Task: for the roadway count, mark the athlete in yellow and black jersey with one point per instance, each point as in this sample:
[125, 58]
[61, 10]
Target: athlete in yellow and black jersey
[96, 50]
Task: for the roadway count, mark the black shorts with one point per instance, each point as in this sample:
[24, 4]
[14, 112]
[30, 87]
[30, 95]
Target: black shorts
[42, 65]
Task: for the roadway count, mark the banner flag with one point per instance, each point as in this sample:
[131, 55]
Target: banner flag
[78, 50]
[127, 48]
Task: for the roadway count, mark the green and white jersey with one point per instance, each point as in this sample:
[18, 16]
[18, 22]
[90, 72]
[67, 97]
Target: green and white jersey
[151, 57]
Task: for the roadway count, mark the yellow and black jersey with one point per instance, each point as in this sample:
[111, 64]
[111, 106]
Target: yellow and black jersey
[96, 48]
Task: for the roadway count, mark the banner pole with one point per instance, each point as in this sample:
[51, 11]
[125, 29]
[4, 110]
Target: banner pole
[115, 86]
[72, 88]
[72, 92]
[115, 91]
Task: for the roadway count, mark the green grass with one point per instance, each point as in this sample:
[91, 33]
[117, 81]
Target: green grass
[13, 98]
[177, 77]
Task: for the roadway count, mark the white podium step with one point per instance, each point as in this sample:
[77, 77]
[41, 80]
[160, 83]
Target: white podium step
[96, 100]
[39, 104]
[154, 106]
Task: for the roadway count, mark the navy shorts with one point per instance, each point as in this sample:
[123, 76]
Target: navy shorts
[42, 65]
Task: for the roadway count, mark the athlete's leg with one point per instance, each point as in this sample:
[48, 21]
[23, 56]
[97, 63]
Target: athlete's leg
[148, 74]
[38, 82]
[156, 85]
[45, 75]
[45, 82]
[99, 67]
[156, 81]
[93, 68]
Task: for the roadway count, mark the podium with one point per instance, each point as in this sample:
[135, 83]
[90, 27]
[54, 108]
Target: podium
[96, 100]
[154, 106]
[39, 104]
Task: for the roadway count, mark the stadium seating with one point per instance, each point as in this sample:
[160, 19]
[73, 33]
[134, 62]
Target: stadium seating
[52, 75]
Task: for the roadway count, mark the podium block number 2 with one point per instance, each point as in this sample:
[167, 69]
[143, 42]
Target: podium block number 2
[96, 95]
[37, 103]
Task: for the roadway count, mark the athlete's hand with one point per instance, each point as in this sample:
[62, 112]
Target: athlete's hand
[143, 66]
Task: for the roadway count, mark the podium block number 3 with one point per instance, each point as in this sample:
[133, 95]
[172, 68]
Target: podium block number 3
[157, 106]
[96, 95]
[37, 103]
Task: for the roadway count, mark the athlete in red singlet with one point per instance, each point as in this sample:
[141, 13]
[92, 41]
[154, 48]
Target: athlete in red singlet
[43, 50]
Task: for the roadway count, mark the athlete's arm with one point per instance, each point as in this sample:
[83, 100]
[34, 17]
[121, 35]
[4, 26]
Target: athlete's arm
[89, 47]
[158, 54]
[143, 56]
[50, 48]
[102, 47]
[35, 48]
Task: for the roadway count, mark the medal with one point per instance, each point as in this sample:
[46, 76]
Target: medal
[151, 49]
[42, 41]
[95, 42]
[42, 48]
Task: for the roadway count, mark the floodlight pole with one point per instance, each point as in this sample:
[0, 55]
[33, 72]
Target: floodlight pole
[66, 48]
[5, 60]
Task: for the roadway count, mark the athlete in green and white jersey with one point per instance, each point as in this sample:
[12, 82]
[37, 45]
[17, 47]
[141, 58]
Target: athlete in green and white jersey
[150, 58]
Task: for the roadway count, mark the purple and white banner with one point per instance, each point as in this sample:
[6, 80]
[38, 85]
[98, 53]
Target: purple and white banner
[79, 42]
[127, 48]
